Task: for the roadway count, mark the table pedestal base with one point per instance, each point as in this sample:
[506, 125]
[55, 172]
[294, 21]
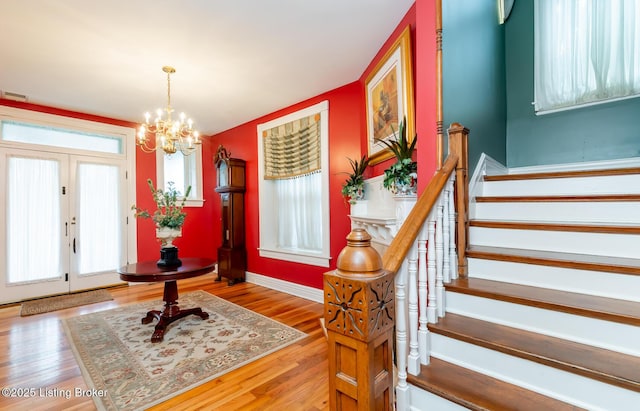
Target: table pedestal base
[170, 313]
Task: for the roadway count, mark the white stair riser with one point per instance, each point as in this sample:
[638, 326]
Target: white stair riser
[614, 245]
[422, 400]
[565, 386]
[562, 186]
[609, 212]
[603, 284]
[599, 333]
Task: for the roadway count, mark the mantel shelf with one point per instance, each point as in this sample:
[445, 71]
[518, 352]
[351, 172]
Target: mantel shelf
[380, 213]
[374, 219]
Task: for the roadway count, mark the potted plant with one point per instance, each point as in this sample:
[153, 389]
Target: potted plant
[169, 215]
[401, 177]
[353, 187]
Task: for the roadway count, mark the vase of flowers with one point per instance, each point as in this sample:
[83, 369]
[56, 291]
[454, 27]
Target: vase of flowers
[401, 177]
[353, 187]
[169, 217]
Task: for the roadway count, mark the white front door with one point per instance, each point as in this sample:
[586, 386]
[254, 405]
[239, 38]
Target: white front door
[97, 222]
[64, 223]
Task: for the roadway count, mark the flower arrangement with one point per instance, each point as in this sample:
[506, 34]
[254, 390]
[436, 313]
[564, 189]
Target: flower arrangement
[402, 176]
[353, 187]
[169, 211]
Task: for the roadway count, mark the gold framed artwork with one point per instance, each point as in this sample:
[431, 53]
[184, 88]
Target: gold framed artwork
[389, 97]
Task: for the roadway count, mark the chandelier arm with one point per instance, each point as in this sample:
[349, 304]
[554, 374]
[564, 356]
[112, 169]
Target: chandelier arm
[146, 148]
[186, 151]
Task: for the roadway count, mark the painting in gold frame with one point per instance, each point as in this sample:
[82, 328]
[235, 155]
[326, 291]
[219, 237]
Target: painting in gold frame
[389, 97]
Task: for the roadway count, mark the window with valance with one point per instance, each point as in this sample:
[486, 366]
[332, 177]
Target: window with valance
[294, 194]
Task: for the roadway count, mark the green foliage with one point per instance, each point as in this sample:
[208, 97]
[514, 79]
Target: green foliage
[353, 187]
[401, 177]
[169, 211]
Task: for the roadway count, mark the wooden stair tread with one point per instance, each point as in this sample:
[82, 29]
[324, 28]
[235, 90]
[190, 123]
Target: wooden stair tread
[480, 392]
[620, 265]
[607, 366]
[554, 226]
[608, 309]
[564, 174]
[559, 198]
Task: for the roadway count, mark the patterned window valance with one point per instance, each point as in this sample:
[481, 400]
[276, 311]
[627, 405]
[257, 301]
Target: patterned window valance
[292, 149]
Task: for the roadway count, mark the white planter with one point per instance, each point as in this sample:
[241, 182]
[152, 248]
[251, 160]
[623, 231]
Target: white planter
[167, 235]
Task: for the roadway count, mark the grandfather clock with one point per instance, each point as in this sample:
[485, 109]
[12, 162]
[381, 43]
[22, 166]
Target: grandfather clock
[232, 254]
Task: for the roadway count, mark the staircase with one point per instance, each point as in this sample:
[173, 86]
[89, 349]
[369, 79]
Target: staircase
[548, 317]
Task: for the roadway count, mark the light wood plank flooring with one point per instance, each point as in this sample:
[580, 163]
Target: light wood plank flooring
[34, 353]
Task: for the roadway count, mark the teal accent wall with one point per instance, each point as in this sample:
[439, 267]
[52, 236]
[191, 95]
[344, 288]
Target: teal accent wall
[603, 132]
[474, 93]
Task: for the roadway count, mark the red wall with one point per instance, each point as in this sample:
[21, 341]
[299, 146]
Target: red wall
[197, 237]
[347, 129]
[422, 19]
[408, 20]
[345, 112]
[425, 86]
[347, 134]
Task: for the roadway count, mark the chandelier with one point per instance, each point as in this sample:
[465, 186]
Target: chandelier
[167, 134]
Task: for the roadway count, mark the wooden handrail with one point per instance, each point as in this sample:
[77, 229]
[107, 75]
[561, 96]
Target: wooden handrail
[360, 298]
[395, 254]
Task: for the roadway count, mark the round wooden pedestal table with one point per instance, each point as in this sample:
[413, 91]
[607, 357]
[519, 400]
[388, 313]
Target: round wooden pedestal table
[148, 271]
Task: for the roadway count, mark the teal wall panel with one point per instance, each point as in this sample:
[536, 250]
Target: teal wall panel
[602, 132]
[474, 91]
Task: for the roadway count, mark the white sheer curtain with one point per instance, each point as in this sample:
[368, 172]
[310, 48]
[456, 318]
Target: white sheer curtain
[33, 220]
[300, 212]
[98, 240]
[586, 51]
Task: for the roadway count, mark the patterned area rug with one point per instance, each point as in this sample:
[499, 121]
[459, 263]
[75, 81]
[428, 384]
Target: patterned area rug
[60, 302]
[116, 355]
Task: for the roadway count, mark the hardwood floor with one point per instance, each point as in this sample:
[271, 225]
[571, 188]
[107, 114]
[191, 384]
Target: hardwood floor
[35, 354]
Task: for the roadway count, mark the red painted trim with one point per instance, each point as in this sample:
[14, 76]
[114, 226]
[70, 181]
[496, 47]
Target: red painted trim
[66, 113]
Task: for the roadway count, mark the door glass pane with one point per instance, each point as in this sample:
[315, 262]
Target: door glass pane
[98, 241]
[33, 220]
[34, 134]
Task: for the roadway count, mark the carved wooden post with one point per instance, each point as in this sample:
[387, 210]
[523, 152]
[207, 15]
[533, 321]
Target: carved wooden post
[458, 138]
[359, 316]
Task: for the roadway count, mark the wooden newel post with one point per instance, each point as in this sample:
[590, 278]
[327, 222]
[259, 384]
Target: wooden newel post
[458, 144]
[359, 309]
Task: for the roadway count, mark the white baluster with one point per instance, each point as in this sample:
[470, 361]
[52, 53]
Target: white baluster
[439, 252]
[446, 272]
[413, 365]
[401, 331]
[432, 310]
[453, 255]
[423, 331]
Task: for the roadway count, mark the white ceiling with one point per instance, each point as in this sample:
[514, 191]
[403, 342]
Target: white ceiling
[235, 60]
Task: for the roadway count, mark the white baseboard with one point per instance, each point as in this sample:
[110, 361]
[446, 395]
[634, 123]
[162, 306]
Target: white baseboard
[486, 166]
[309, 293]
[587, 165]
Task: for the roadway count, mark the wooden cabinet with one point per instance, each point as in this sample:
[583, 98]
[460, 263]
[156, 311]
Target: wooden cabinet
[232, 254]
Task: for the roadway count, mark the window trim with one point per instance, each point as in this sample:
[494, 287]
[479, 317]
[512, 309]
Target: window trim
[268, 247]
[190, 202]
